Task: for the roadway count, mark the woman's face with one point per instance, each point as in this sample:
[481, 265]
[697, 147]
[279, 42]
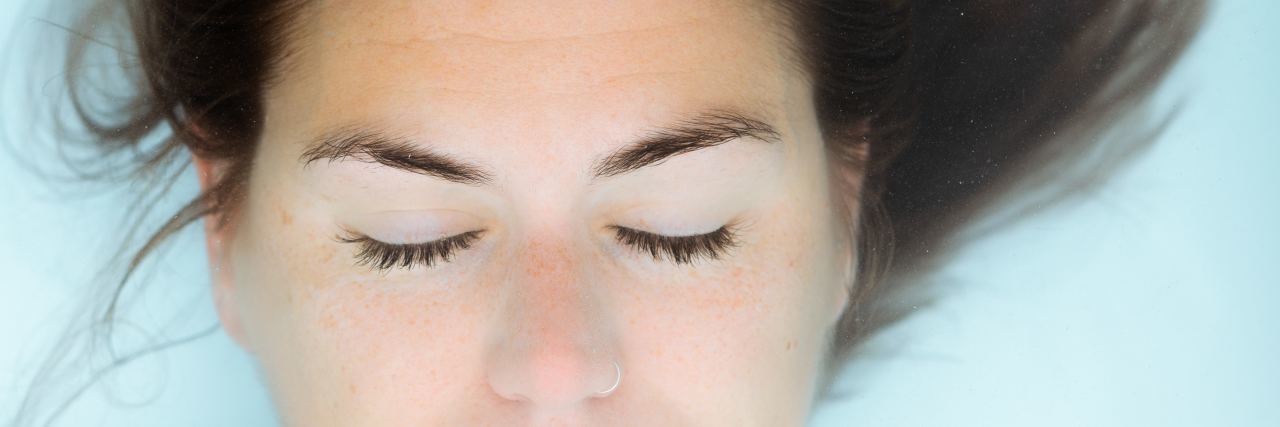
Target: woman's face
[581, 191]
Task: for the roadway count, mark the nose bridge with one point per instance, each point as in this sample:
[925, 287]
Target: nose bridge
[551, 300]
[552, 349]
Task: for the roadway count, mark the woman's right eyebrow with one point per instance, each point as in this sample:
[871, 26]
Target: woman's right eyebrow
[370, 146]
[708, 129]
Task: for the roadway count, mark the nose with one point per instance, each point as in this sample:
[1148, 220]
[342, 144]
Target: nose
[553, 350]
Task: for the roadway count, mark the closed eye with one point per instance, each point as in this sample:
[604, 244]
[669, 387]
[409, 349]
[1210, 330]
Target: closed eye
[384, 256]
[678, 249]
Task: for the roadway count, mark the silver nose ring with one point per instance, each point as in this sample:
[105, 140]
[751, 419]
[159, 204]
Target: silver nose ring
[618, 380]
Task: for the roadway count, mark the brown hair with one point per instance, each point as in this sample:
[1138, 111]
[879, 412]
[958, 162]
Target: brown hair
[944, 108]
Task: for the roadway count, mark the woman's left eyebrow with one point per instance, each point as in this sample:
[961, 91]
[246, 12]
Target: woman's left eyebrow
[705, 130]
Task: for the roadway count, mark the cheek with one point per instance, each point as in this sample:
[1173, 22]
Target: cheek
[390, 348]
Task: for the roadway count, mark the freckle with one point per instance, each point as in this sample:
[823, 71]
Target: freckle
[791, 344]
[327, 320]
[326, 255]
[285, 218]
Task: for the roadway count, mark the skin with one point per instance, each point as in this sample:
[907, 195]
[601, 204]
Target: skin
[526, 325]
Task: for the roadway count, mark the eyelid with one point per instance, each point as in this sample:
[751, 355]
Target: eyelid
[383, 256]
[352, 236]
[409, 226]
[685, 249]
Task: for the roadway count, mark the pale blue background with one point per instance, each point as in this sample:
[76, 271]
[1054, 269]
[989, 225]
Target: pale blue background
[1154, 301]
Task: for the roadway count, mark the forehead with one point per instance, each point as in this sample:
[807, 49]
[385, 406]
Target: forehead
[527, 65]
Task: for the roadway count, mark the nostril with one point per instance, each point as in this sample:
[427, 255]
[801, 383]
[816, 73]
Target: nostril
[553, 379]
[503, 382]
[515, 397]
[616, 382]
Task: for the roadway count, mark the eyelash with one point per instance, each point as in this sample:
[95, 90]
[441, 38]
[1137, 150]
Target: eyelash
[678, 249]
[384, 256]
